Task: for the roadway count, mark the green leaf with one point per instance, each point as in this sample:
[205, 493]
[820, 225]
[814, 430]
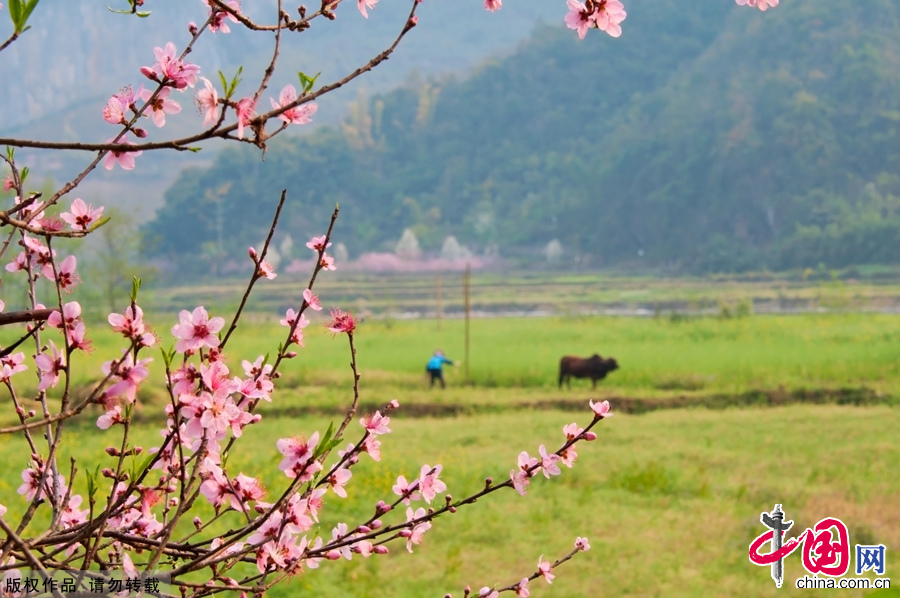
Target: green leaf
[100, 223]
[325, 444]
[92, 483]
[194, 149]
[307, 82]
[10, 152]
[143, 13]
[24, 174]
[135, 287]
[235, 81]
[224, 81]
[167, 356]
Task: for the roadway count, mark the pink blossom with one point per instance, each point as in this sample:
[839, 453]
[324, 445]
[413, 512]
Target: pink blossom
[339, 533]
[522, 590]
[486, 592]
[318, 243]
[245, 113]
[217, 23]
[579, 17]
[315, 502]
[312, 300]
[582, 543]
[258, 384]
[130, 375]
[521, 476]
[417, 531]
[11, 365]
[125, 159]
[429, 484]
[112, 416]
[114, 112]
[263, 268]
[364, 547]
[66, 277]
[207, 101]
[364, 4]
[131, 325]
[170, 69]
[300, 514]
[50, 367]
[71, 514]
[289, 318]
[8, 183]
[341, 322]
[372, 446]
[376, 423]
[608, 15]
[268, 530]
[601, 410]
[493, 5]
[338, 480]
[161, 105]
[71, 315]
[82, 216]
[763, 5]
[298, 452]
[549, 463]
[196, 330]
[544, 569]
[405, 490]
[298, 115]
[327, 262]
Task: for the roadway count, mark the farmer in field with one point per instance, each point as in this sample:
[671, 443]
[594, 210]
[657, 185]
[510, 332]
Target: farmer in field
[435, 367]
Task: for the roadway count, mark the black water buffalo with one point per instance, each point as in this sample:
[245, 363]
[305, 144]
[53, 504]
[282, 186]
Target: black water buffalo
[593, 367]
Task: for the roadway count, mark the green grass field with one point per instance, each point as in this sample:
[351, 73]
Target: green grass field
[670, 500]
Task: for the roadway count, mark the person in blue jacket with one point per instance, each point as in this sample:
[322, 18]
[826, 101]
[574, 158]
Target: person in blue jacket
[434, 367]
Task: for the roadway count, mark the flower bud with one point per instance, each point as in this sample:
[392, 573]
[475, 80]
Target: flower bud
[394, 404]
[333, 555]
[589, 436]
[173, 502]
[290, 355]
[406, 533]
[364, 529]
[448, 499]
[112, 451]
[252, 253]
[30, 413]
[108, 473]
[149, 73]
[139, 132]
[382, 507]
[488, 481]
[381, 549]
[452, 509]
[198, 523]
[376, 524]
[192, 28]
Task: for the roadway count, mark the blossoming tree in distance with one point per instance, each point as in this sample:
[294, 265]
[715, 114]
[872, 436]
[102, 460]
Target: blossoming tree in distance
[139, 512]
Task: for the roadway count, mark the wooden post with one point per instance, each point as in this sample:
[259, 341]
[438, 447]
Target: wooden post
[467, 283]
[437, 294]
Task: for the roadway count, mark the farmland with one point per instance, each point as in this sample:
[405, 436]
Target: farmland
[718, 417]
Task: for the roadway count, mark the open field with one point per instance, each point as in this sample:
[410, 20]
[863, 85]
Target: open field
[515, 360]
[669, 500]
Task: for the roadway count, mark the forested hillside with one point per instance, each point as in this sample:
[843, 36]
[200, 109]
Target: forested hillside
[709, 140]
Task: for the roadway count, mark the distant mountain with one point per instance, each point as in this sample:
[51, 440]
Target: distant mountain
[716, 140]
[78, 53]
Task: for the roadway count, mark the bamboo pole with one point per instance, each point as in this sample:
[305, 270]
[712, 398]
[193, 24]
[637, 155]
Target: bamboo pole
[467, 285]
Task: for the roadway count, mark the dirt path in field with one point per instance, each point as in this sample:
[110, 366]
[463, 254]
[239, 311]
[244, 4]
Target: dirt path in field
[636, 405]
